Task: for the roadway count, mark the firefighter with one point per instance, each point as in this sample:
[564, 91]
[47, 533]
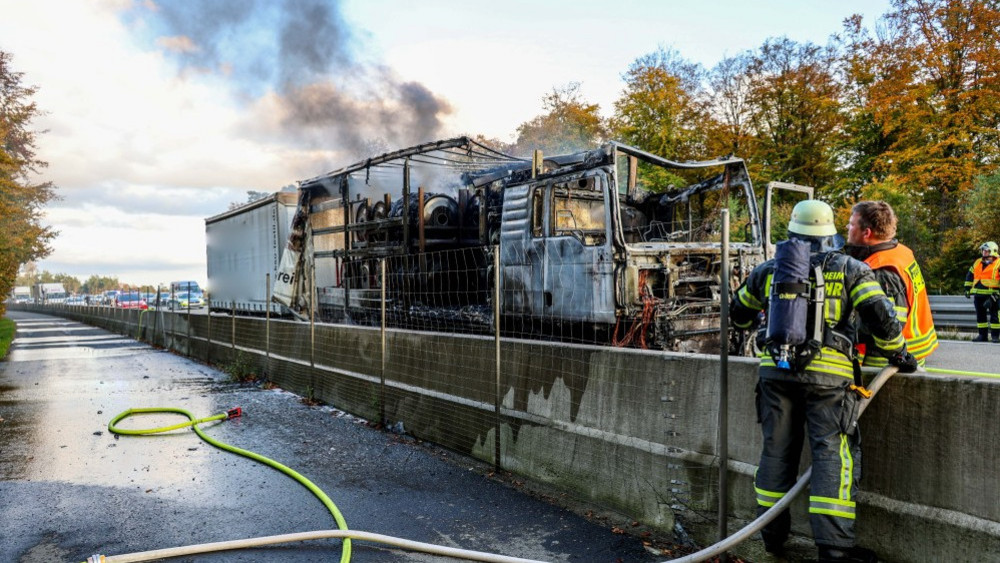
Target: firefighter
[870, 238]
[983, 281]
[811, 387]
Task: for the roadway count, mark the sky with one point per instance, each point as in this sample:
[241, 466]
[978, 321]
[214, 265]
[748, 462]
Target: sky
[159, 114]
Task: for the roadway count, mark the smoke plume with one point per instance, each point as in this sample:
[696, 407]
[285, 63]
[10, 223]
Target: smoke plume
[304, 53]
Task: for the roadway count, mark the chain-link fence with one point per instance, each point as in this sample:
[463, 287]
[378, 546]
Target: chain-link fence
[423, 347]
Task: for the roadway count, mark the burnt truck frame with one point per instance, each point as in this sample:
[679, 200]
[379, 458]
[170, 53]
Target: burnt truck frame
[600, 242]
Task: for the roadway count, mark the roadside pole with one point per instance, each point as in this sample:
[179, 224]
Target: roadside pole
[724, 384]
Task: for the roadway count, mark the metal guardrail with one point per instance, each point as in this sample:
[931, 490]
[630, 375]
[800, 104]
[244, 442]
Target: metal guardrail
[953, 311]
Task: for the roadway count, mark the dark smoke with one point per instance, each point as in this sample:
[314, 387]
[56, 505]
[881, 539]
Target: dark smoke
[313, 38]
[302, 51]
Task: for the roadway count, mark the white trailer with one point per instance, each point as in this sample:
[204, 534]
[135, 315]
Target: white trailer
[22, 294]
[243, 246]
[49, 293]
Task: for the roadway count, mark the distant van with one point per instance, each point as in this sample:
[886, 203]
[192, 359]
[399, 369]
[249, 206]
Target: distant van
[185, 287]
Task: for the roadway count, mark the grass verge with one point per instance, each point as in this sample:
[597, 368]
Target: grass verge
[7, 328]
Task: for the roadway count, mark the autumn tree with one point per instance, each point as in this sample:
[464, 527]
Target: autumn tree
[864, 140]
[925, 109]
[981, 207]
[728, 130]
[661, 109]
[22, 236]
[794, 112]
[570, 124]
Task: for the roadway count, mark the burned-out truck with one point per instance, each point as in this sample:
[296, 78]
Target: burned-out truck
[612, 245]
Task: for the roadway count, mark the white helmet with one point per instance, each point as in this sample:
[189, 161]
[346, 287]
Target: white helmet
[812, 218]
[991, 246]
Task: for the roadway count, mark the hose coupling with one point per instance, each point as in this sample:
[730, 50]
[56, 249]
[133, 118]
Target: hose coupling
[233, 413]
[95, 558]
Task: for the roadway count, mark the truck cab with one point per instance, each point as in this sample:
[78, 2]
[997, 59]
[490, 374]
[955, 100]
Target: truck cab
[606, 238]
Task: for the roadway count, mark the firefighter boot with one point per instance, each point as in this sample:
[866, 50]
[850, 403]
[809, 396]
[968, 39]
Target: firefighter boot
[774, 543]
[983, 336]
[995, 336]
[776, 532]
[831, 554]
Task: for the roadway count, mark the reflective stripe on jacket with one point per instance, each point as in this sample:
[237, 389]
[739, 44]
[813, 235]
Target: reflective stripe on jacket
[850, 286]
[983, 277]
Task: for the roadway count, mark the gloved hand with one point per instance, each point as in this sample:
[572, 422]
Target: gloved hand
[967, 296]
[995, 297]
[905, 362]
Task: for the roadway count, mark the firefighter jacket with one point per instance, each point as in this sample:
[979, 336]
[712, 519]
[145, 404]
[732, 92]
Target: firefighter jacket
[983, 277]
[897, 271]
[851, 287]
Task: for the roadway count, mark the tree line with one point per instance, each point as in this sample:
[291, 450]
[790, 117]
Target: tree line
[908, 112]
[93, 285]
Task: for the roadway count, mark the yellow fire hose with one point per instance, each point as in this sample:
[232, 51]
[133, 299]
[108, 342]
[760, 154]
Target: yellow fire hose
[343, 532]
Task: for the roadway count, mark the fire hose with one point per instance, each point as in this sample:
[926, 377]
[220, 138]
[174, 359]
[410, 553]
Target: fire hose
[342, 532]
[764, 519]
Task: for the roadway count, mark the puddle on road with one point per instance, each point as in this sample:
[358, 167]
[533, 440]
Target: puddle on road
[57, 408]
[63, 340]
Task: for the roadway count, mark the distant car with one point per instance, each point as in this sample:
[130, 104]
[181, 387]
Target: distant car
[186, 300]
[132, 301]
[164, 300]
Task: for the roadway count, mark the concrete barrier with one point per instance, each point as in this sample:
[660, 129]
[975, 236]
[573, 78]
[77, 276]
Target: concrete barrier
[635, 431]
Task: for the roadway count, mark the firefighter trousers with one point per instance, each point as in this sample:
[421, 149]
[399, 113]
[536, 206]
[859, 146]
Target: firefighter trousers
[986, 315]
[790, 411]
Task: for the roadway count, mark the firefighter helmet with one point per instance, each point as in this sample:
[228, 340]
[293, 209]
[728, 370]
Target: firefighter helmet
[992, 247]
[812, 218]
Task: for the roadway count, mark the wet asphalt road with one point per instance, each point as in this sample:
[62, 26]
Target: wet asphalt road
[69, 488]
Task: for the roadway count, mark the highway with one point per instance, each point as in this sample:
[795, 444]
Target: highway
[69, 488]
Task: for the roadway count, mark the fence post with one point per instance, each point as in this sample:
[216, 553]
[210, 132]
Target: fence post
[208, 328]
[724, 384]
[312, 317]
[496, 346]
[156, 314]
[381, 401]
[312, 329]
[232, 313]
[189, 347]
[267, 322]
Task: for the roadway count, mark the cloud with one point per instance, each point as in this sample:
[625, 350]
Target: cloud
[138, 200]
[178, 44]
[137, 247]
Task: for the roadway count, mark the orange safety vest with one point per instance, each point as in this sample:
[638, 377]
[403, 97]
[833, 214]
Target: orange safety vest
[984, 278]
[921, 338]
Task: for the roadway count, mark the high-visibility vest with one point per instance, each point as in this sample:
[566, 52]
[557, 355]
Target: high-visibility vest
[983, 278]
[918, 330]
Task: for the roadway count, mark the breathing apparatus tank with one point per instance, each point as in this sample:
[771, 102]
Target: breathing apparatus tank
[795, 299]
[788, 304]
